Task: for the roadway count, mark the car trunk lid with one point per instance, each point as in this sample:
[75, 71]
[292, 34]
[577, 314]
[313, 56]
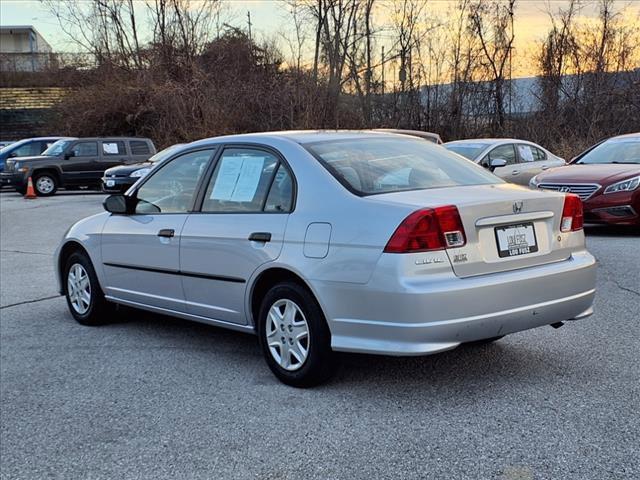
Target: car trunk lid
[492, 215]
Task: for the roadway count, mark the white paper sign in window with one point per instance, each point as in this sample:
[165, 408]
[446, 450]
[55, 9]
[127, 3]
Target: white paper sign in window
[525, 153]
[237, 179]
[110, 148]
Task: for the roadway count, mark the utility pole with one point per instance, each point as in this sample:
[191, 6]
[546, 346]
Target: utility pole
[249, 23]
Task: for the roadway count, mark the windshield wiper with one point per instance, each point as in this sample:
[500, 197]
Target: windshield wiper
[625, 163]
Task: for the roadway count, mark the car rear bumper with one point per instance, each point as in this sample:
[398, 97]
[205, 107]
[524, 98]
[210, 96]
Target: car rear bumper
[117, 184]
[437, 314]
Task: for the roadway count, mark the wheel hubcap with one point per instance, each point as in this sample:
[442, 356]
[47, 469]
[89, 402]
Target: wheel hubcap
[287, 334]
[79, 288]
[44, 185]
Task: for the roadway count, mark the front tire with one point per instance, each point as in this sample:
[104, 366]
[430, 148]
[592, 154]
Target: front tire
[85, 298]
[45, 184]
[294, 336]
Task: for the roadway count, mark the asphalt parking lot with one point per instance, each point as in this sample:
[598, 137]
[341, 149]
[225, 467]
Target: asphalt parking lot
[155, 397]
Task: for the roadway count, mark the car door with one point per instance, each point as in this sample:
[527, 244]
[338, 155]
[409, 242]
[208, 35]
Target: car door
[530, 162]
[507, 152]
[112, 154]
[240, 226]
[140, 251]
[80, 162]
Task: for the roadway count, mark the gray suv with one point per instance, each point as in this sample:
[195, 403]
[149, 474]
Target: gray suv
[74, 162]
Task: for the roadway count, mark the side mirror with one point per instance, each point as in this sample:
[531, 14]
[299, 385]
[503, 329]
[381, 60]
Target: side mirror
[496, 163]
[118, 204]
[70, 154]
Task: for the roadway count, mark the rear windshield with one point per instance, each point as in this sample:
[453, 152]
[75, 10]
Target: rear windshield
[617, 151]
[468, 150]
[372, 166]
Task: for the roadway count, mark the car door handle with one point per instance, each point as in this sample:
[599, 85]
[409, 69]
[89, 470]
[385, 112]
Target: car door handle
[545, 167]
[167, 232]
[260, 237]
[515, 172]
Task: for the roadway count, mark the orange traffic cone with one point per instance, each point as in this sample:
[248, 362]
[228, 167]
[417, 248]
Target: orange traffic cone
[31, 193]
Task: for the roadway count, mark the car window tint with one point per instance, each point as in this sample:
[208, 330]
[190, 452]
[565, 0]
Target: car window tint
[113, 148]
[170, 189]
[280, 198]
[139, 147]
[240, 181]
[505, 152]
[526, 153]
[85, 149]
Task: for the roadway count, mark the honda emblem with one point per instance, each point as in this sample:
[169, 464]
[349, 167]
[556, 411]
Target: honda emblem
[517, 207]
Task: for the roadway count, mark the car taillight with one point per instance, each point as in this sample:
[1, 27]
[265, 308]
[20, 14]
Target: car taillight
[428, 229]
[572, 217]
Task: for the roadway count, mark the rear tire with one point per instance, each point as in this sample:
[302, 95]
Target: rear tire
[294, 336]
[45, 184]
[85, 298]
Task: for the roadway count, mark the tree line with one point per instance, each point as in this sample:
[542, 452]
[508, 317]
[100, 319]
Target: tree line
[194, 72]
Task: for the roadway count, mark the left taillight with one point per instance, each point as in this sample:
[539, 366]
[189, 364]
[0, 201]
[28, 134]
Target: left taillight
[572, 216]
[428, 229]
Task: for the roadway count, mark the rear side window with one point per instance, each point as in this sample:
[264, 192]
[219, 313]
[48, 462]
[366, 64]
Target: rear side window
[113, 148]
[370, 166]
[85, 149]
[139, 147]
[241, 182]
[280, 198]
[27, 150]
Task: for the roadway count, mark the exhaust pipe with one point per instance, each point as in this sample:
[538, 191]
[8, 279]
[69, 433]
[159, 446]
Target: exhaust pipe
[557, 324]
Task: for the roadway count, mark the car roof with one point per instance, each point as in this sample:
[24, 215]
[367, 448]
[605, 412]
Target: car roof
[626, 136]
[98, 139]
[489, 141]
[299, 136]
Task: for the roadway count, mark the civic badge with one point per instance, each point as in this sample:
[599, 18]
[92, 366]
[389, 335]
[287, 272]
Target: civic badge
[517, 207]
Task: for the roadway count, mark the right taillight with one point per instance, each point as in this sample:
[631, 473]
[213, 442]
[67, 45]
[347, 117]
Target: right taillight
[572, 217]
[428, 229]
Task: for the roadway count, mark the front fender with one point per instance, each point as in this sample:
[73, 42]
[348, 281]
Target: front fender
[85, 234]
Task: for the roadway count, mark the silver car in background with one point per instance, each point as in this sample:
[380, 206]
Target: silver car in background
[332, 241]
[516, 161]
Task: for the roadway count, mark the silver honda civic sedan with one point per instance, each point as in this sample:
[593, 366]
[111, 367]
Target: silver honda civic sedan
[320, 242]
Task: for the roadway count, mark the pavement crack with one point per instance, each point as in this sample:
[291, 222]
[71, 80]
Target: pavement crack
[29, 301]
[25, 252]
[626, 289]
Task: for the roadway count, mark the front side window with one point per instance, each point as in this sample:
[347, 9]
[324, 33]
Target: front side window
[170, 189]
[113, 148]
[504, 152]
[85, 149]
[241, 181]
[371, 166]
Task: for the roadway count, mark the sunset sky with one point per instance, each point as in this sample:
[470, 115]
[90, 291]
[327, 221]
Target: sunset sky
[270, 18]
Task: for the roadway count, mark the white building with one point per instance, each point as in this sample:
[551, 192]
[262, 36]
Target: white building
[23, 49]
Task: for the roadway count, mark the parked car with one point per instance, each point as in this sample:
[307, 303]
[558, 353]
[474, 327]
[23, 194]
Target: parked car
[431, 137]
[122, 177]
[332, 241]
[607, 179]
[74, 162]
[28, 147]
[515, 161]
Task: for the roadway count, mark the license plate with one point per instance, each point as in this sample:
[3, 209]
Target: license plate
[514, 240]
[110, 183]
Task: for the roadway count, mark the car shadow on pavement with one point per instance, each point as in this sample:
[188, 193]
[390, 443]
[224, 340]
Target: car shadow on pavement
[611, 230]
[469, 367]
